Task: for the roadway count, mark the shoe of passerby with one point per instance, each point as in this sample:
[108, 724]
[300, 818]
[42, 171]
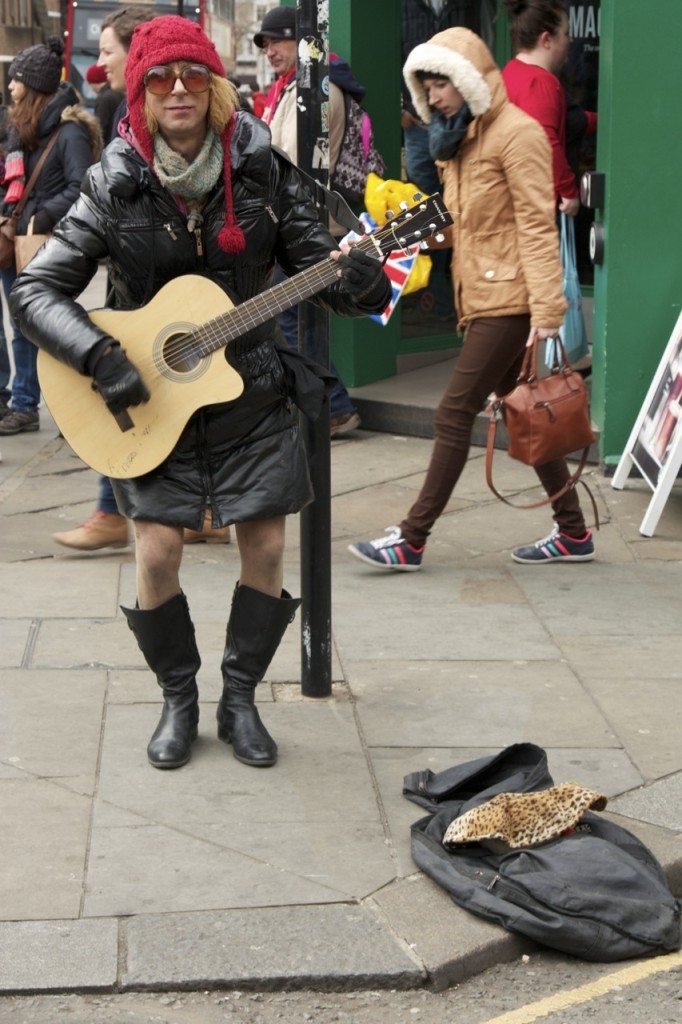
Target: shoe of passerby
[391, 552]
[18, 422]
[340, 425]
[208, 534]
[4, 408]
[101, 530]
[558, 547]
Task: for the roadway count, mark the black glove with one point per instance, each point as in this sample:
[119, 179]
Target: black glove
[118, 381]
[363, 277]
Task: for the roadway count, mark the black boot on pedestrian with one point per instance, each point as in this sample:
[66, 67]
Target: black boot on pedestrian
[256, 626]
[165, 636]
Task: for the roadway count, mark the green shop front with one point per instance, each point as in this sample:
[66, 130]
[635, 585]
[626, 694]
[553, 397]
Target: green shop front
[625, 63]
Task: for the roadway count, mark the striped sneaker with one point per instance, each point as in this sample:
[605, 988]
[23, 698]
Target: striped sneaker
[558, 547]
[390, 552]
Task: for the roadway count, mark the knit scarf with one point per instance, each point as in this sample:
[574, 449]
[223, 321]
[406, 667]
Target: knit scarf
[189, 181]
[15, 178]
[446, 133]
[275, 94]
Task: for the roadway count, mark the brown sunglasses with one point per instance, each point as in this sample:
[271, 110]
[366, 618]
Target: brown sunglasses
[161, 80]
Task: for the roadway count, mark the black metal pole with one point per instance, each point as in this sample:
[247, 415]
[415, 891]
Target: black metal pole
[312, 71]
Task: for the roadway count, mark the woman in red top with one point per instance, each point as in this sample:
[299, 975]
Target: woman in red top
[539, 31]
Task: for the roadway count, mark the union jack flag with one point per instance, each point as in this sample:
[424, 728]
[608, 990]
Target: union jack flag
[398, 267]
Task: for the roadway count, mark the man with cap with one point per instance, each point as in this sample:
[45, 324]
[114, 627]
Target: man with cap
[192, 186]
[107, 100]
[277, 38]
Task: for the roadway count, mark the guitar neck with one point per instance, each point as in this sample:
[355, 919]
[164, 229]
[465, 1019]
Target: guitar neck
[216, 333]
[399, 233]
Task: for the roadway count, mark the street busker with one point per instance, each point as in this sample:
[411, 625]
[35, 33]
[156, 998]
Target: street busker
[193, 186]
[496, 167]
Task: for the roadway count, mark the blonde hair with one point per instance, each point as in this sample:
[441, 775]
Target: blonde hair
[223, 100]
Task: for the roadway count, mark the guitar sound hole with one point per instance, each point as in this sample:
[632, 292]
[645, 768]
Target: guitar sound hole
[179, 354]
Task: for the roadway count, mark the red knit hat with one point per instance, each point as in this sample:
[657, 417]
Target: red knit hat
[162, 41]
[96, 74]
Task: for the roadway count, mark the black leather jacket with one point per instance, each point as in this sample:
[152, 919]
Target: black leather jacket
[242, 458]
[126, 216]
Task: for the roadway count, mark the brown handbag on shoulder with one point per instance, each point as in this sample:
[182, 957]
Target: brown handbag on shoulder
[8, 222]
[26, 246]
[546, 418]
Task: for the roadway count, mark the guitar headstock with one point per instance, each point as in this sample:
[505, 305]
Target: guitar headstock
[411, 227]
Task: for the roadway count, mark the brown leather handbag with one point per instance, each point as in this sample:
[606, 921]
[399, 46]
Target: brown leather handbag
[546, 418]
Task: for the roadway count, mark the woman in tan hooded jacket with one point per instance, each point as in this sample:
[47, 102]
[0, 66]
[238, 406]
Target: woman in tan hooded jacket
[495, 163]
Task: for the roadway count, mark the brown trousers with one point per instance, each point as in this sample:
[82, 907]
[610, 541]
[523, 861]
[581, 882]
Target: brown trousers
[490, 360]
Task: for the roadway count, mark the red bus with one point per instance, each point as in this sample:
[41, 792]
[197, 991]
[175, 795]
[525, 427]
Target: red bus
[83, 24]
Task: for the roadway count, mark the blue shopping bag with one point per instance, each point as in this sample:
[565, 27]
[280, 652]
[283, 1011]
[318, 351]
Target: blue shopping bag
[572, 333]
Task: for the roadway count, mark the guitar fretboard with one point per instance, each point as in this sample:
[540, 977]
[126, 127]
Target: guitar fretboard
[216, 333]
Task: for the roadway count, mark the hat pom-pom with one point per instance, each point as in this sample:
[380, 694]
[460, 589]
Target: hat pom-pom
[231, 239]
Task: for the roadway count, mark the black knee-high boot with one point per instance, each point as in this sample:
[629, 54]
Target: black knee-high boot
[256, 626]
[165, 636]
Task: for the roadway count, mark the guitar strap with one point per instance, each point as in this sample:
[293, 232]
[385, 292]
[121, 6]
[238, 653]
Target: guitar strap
[337, 206]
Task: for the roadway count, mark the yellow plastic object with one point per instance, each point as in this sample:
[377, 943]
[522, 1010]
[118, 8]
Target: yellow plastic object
[382, 196]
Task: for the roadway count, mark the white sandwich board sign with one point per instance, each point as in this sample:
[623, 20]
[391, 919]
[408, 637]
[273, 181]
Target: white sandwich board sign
[655, 444]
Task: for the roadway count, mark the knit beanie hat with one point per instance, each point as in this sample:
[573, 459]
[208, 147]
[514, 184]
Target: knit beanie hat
[164, 40]
[96, 74]
[39, 67]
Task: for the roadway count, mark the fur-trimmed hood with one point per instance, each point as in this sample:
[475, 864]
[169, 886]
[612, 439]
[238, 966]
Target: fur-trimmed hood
[463, 57]
[80, 115]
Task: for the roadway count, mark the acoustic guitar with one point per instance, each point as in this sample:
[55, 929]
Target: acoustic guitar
[177, 343]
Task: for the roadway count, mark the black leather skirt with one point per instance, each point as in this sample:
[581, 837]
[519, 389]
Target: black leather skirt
[244, 459]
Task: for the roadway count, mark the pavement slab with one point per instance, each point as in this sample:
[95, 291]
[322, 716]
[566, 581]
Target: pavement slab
[44, 847]
[57, 733]
[342, 947]
[15, 637]
[452, 944]
[214, 786]
[44, 956]
[659, 803]
[408, 703]
[583, 596]
[646, 716]
[60, 589]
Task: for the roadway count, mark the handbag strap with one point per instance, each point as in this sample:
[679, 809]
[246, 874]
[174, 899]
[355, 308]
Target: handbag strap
[19, 208]
[569, 485]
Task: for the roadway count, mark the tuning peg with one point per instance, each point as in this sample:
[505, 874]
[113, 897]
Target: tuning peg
[404, 205]
[417, 196]
[390, 214]
[423, 245]
[440, 237]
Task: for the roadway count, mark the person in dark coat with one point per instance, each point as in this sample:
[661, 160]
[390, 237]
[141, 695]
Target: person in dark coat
[107, 100]
[105, 527]
[194, 187]
[41, 107]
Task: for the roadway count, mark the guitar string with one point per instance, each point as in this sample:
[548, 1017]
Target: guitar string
[198, 341]
[214, 330]
[260, 308]
[245, 320]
